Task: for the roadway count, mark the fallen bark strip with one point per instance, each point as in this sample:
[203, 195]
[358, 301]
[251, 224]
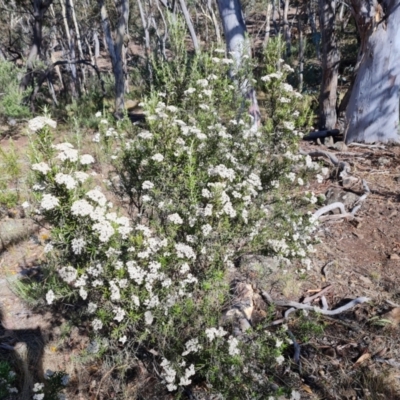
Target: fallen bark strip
[300, 306]
[328, 208]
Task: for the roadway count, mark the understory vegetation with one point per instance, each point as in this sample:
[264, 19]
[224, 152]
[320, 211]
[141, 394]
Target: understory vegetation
[144, 258]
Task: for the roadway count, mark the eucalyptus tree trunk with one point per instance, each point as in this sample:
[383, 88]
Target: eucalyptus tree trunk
[239, 46]
[115, 49]
[267, 24]
[39, 10]
[373, 111]
[78, 39]
[330, 66]
[69, 34]
[189, 24]
[287, 29]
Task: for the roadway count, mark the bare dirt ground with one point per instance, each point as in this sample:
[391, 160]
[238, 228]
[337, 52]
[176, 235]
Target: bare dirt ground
[355, 356]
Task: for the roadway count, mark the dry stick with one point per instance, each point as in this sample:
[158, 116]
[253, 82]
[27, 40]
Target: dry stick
[106, 375]
[300, 306]
[368, 146]
[309, 299]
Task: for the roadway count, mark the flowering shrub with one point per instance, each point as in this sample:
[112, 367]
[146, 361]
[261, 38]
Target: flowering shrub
[7, 380]
[52, 387]
[199, 188]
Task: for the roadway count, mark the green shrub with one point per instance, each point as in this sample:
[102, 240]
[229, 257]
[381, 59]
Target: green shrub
[201, 188]
[11, 97]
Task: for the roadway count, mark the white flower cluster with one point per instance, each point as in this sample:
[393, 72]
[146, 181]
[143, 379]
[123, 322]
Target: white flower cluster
[37, 123]
[41, 167]
[213, 333]
[192, 346]
[67, 180]
[68, 274]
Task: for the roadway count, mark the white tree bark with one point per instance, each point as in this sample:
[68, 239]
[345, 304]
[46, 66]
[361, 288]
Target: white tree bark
[238, 46]
[373, 111]
[189, 24]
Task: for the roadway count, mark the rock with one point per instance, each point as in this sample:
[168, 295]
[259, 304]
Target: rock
[340, 146]
[131, 104]
[14, 230]
[394, 256]
[334, 195]
[383, 160]
[258, 263]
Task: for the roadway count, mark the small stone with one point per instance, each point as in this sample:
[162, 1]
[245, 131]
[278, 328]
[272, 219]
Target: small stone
[394, 256]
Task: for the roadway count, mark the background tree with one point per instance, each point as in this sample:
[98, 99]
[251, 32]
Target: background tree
[373, 110]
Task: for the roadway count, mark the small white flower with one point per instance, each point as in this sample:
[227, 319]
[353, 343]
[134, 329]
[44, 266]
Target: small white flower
[300, 181]
[202, 82]
[81, 208]
[68, 274]
[41, 167]
[233, 349]
[68, 155]
[92, 307]
[123, 339]
[119, 314]
[172, 109]
[83, 293]
[97, 324]
[86, 159]
[104, 121]
[175, 219]
[38, 123]
[38, 387]
[148, 316]
[206, 229]
[25, 205]
[67, 180]
[147, 185]
[49, 202]
[189, 91]
[97, 196]
[98, 114]
[280, 360]
[158, 157]
[50, 297]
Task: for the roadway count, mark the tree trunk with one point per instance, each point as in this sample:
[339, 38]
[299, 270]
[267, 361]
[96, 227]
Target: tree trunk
[330, 66]
[286, 29]
[373, 111]
[267, 24]
[189, 24]
[39, 10]
[115, 49]
[238, 45]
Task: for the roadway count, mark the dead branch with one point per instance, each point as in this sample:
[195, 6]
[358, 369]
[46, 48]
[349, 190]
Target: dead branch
[368, 146]
[307, 307]
[309, 299]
